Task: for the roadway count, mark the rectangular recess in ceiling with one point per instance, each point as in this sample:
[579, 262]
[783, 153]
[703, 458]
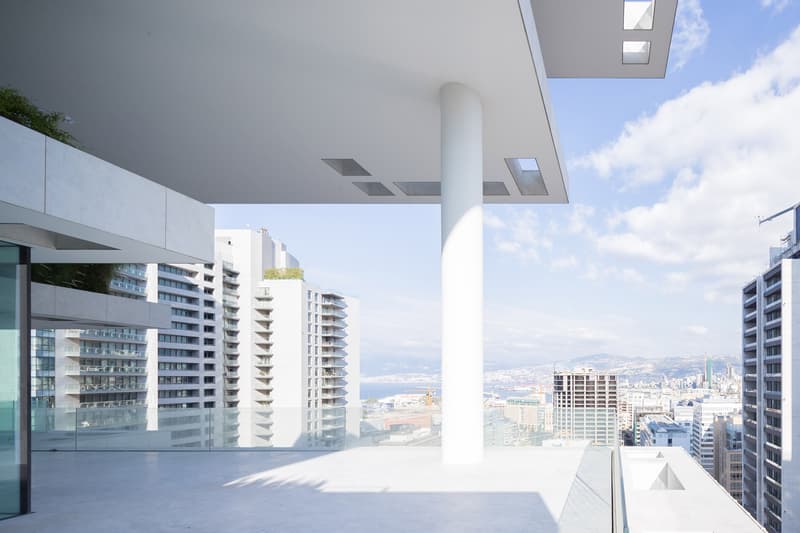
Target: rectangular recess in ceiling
[638, 14]
[420, 188]
[346, 167]
[373, 188]
[495, 188]
[434, 188]
[527, 176]
[635, 52]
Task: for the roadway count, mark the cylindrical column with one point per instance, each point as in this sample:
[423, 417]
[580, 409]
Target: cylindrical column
[462, 275]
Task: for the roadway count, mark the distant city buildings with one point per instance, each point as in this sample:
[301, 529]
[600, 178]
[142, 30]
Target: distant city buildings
[770, 346]
[585, 406]
[728, 454]
[661, 430]
[234, 354]
[705, 412]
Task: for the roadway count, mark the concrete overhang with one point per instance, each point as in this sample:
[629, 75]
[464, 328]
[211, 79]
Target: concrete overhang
[55, 307]
[71, 207]
[240, 102]
[584, 39]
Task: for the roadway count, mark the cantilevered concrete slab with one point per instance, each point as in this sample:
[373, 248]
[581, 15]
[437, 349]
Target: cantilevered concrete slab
[584, 39]
[60, 308]
[71, 207]
[240, 102]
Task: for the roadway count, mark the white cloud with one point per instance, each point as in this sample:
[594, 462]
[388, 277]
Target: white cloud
[579, 222]
[775, 5]
[691, 32]
[568, 262]
[525, 236]
[730, 151]
[696, 330]
[595, 272]
[491, 220]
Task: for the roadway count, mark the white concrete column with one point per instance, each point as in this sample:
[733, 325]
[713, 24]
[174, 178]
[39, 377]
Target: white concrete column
[462, 275]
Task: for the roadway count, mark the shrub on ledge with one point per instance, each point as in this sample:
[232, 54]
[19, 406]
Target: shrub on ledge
[85, 277]
[283, 273]
[19, 109]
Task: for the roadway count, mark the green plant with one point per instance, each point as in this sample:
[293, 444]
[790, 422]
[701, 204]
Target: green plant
[85, 277]
[284, 273]
[19, 109]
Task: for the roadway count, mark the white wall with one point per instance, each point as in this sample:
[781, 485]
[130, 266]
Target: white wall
[790, 421]
[353, 388]
[288, 328]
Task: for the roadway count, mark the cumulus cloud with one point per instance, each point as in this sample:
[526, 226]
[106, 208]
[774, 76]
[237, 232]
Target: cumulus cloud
[775, 5]
[568, 262]
[525, 236]
[728, 153]
[696, 330]
[691, 32]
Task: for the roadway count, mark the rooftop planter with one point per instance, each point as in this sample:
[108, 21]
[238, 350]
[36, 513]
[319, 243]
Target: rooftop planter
[284, 273]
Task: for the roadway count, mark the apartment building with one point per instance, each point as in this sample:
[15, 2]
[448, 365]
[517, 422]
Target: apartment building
[316, 346]
[210, 379]
[728, 454]
[661, 430]
[770, 311]
[585, 406]
[705, 412]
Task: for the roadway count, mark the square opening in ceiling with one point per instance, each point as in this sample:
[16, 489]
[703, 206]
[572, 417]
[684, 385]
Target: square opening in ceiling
[527, 176]
[635, 52]
[495, 188]
[638, 14]
[346, 167]
[373, 188]
[420, 188]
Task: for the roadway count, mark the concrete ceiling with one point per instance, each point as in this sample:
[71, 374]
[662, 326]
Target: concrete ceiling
[239, 102]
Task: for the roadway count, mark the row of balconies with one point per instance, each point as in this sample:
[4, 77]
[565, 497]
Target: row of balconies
[105, 334]
[76, 370]
[89, 388]
[99, 352]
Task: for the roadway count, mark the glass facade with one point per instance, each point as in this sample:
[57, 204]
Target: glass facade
[14, 380]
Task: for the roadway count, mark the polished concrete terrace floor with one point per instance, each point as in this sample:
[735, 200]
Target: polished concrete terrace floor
[360, 490]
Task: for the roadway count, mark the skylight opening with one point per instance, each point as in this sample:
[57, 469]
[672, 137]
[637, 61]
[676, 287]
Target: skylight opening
[527, 176]
[638, 14]
[346, 167]
[420, 188]
[495, 188]
[373, 188]
[635, 52]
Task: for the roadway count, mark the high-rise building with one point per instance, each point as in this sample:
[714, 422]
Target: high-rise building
[771, 317]
[661, 430]
[316, 345]
[298, 349]
[585, 406]
[709, 376]
[705, 412]
[728, 454]
[212, 378]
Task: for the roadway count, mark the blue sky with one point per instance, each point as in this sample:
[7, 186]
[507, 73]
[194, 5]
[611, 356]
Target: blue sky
[667, 178]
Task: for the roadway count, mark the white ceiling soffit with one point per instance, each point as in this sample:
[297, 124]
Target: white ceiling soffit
[240, 102]
[584, 38]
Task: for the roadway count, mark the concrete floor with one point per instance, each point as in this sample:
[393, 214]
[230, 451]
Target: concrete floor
[359, 490]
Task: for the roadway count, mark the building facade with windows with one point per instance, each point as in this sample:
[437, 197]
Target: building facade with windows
[705, 412]
[585, 406]
[770, 347]
[728, 454]
[661, 430]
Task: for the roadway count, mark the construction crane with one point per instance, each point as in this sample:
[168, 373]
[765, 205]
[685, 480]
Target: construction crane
[795, 208]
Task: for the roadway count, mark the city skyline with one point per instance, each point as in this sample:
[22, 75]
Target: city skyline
[643, 263]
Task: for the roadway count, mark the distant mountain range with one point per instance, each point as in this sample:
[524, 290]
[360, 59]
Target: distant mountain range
[625, 367]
